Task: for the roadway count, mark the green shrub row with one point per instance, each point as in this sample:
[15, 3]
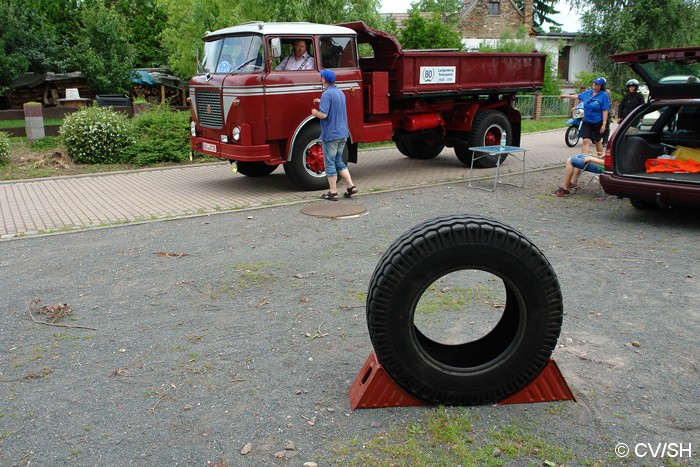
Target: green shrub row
[99, 135]
[4, 148]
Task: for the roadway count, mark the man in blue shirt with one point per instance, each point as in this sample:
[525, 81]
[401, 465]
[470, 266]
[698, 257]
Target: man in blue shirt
[334, 134]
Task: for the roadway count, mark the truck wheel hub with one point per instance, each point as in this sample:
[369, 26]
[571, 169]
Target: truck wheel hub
[314, 159]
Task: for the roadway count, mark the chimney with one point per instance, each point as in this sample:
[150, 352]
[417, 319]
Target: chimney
[528, 12]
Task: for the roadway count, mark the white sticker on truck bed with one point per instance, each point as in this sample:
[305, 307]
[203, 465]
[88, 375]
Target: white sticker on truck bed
[438, 74]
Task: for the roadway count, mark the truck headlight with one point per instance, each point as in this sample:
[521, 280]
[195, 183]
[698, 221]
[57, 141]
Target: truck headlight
[236, 134]
[193, 129]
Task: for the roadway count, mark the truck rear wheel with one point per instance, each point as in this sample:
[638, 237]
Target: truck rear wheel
[425, 145]
[255, 169]
[306, 169]
[403, 149]
[487, 129]
[468, 368]
[462, 151]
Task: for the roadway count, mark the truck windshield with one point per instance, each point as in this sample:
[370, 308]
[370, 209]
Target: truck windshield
[234, 54]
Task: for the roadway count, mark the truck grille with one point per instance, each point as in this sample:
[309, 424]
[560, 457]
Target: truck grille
[209, 109]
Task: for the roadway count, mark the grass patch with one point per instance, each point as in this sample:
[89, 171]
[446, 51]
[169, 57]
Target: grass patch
[548, 123]
[448, 437]
[436, 299]
[250, 274]
[20, 123]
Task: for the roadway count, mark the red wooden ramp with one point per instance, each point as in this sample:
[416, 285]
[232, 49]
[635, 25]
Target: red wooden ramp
[374, 388]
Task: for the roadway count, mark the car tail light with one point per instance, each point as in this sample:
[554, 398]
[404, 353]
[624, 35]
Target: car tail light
[608, 161]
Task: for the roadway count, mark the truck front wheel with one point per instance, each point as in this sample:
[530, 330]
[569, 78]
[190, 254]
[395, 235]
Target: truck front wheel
[487, 129]
[306, 169]
[255, 169]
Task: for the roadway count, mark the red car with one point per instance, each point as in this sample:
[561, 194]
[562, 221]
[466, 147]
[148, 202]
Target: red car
[653, 158]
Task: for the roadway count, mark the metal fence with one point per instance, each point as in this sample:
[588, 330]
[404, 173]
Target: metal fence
[552, 106]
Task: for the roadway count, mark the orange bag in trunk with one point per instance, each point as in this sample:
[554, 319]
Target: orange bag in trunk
[672, 166]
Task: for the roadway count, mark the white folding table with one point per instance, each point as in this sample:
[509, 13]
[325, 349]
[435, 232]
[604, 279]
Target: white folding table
[497, 151]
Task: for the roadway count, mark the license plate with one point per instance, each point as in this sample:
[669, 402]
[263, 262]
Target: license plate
[209, 147]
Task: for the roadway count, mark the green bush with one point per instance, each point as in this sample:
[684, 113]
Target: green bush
[160, 135]
[96, 135]
[4, 148]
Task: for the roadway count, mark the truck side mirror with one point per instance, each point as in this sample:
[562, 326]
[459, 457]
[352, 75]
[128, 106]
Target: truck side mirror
[276, 47]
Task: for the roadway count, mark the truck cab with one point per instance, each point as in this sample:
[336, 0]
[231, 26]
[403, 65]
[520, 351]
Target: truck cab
[249, 110]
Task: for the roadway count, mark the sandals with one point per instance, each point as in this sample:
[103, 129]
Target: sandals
[575, 186]
[350, 191]
[562, 192]
[334, 196]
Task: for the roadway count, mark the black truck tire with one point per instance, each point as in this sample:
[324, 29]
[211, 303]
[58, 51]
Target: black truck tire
[427, 144]
[306, 169]
[419, 145]
[255, 169]
[486, 131]
[401, 146]
[485, 370]
[461, 149]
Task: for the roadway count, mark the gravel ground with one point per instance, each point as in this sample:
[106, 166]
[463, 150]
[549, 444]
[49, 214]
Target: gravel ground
[250, 327]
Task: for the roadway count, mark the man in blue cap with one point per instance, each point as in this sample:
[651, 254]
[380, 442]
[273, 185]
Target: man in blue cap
[334, 134]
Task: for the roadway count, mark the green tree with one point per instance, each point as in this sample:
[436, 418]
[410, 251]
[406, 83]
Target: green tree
[187, 22]
[103, 50]
[63, 15]
[440, 6]
[542, 11]
[609, 27]
[509, 42]
[434, 32]
[145, 23]
[28, 42]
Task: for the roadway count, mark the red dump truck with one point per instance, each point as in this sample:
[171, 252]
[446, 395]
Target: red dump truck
[248, 111]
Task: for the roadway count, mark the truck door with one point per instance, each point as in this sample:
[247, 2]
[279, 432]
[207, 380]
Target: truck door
[339, 53]
[290, 87]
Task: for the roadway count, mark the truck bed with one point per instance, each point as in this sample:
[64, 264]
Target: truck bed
[419, 73]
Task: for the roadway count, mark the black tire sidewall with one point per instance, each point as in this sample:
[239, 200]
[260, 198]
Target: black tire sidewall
[255, 169]
[296, 168]
[424, 257]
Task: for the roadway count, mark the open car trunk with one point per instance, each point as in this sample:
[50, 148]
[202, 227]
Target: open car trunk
[660, 141]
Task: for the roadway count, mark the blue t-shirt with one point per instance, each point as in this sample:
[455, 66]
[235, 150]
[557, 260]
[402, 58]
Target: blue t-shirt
[593, 106]
[335, 126]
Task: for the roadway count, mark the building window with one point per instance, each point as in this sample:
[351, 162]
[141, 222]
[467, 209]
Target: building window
[563, 63]
[494, 7]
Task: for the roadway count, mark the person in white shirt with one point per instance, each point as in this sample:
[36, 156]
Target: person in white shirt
[299, 59]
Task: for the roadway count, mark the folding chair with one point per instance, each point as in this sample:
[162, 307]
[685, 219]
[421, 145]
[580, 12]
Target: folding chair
[592, 176]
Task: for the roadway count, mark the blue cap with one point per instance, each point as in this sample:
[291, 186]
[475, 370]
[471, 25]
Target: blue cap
[600, 81]
[328, 75]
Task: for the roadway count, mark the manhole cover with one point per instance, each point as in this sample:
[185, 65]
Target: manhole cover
[333, 209]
